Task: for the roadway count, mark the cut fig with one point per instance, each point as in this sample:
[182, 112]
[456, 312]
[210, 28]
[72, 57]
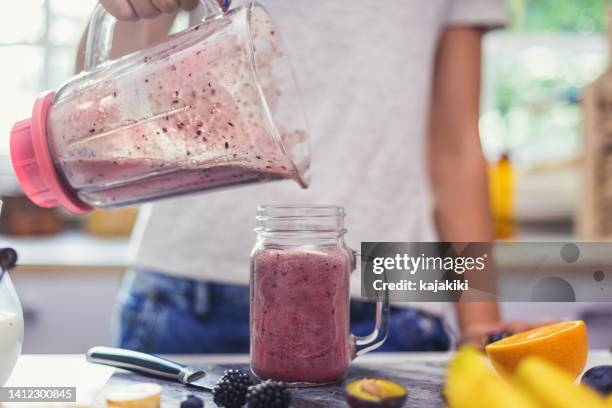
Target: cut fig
[375, 393]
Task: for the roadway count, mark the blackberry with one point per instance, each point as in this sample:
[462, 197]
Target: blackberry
[493, 336]
[192, 402]
[600, 379]
[231, 389]
[269, 394]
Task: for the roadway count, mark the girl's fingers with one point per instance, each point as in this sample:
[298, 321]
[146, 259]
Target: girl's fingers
[132, 10]
[167, 6]
[189, 4]
[121, 9]
[519, 327]
[145, 8]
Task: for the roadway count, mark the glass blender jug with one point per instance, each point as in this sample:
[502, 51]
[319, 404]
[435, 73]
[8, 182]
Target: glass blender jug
[213, 106]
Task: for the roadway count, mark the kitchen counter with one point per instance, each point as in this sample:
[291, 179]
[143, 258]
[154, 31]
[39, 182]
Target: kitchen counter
[73, 370]
[70, 251]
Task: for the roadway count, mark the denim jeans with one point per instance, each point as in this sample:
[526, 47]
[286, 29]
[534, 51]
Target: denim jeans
[160, 313]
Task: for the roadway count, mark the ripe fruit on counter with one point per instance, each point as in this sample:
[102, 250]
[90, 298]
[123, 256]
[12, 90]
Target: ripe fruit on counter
[375, 393]
[269, 394]
[192, 402]
[600, 379]
[145, 395]
[564, 344]
[471, 383]
[231, 389]
[553, 387]
[493, 336]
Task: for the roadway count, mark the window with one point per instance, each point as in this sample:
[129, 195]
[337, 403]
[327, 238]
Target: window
[534, 75]
[38, 41]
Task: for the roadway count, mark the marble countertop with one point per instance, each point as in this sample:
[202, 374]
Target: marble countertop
[422, 373]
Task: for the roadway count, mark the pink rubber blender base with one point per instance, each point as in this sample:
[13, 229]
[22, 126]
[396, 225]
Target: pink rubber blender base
[33, 164]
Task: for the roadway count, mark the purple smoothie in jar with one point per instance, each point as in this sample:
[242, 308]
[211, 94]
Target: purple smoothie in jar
[300, 314]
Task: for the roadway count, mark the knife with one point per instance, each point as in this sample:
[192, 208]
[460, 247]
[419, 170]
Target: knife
[151, 365]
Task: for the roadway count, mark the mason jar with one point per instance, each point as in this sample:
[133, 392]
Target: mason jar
[300, 296]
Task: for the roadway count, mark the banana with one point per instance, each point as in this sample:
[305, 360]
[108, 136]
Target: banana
[472, 384]
[552, 387]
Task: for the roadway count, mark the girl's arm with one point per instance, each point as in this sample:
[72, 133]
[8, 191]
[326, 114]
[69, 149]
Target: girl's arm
[456, 162]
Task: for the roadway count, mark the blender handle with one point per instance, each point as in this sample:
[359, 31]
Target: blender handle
[102, 25]
[364, 344]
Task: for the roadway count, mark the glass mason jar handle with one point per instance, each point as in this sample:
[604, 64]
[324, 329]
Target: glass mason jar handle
[374, 340]
[102, 26]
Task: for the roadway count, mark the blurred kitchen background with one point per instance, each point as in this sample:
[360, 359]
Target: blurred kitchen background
[543, 128]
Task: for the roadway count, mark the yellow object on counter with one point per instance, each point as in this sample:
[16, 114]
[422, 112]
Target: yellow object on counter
[471, 383]
[501, 193]
[111, 223]
[564, 344]
[144, 395]
[553, 387]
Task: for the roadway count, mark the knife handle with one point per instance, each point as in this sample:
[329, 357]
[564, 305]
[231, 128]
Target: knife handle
[143, 363]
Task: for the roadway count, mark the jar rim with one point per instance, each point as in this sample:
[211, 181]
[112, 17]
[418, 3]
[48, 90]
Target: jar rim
[300, 219]
[300, 211]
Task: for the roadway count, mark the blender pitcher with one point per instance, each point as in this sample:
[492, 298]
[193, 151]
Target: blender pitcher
[213, 106]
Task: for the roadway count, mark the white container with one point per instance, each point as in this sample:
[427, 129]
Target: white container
[11, 326]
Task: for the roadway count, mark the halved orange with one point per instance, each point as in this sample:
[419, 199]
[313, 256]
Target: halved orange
[563, 344]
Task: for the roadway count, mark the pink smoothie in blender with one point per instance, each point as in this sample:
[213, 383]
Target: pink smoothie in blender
[300, 315]
[211, 107]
